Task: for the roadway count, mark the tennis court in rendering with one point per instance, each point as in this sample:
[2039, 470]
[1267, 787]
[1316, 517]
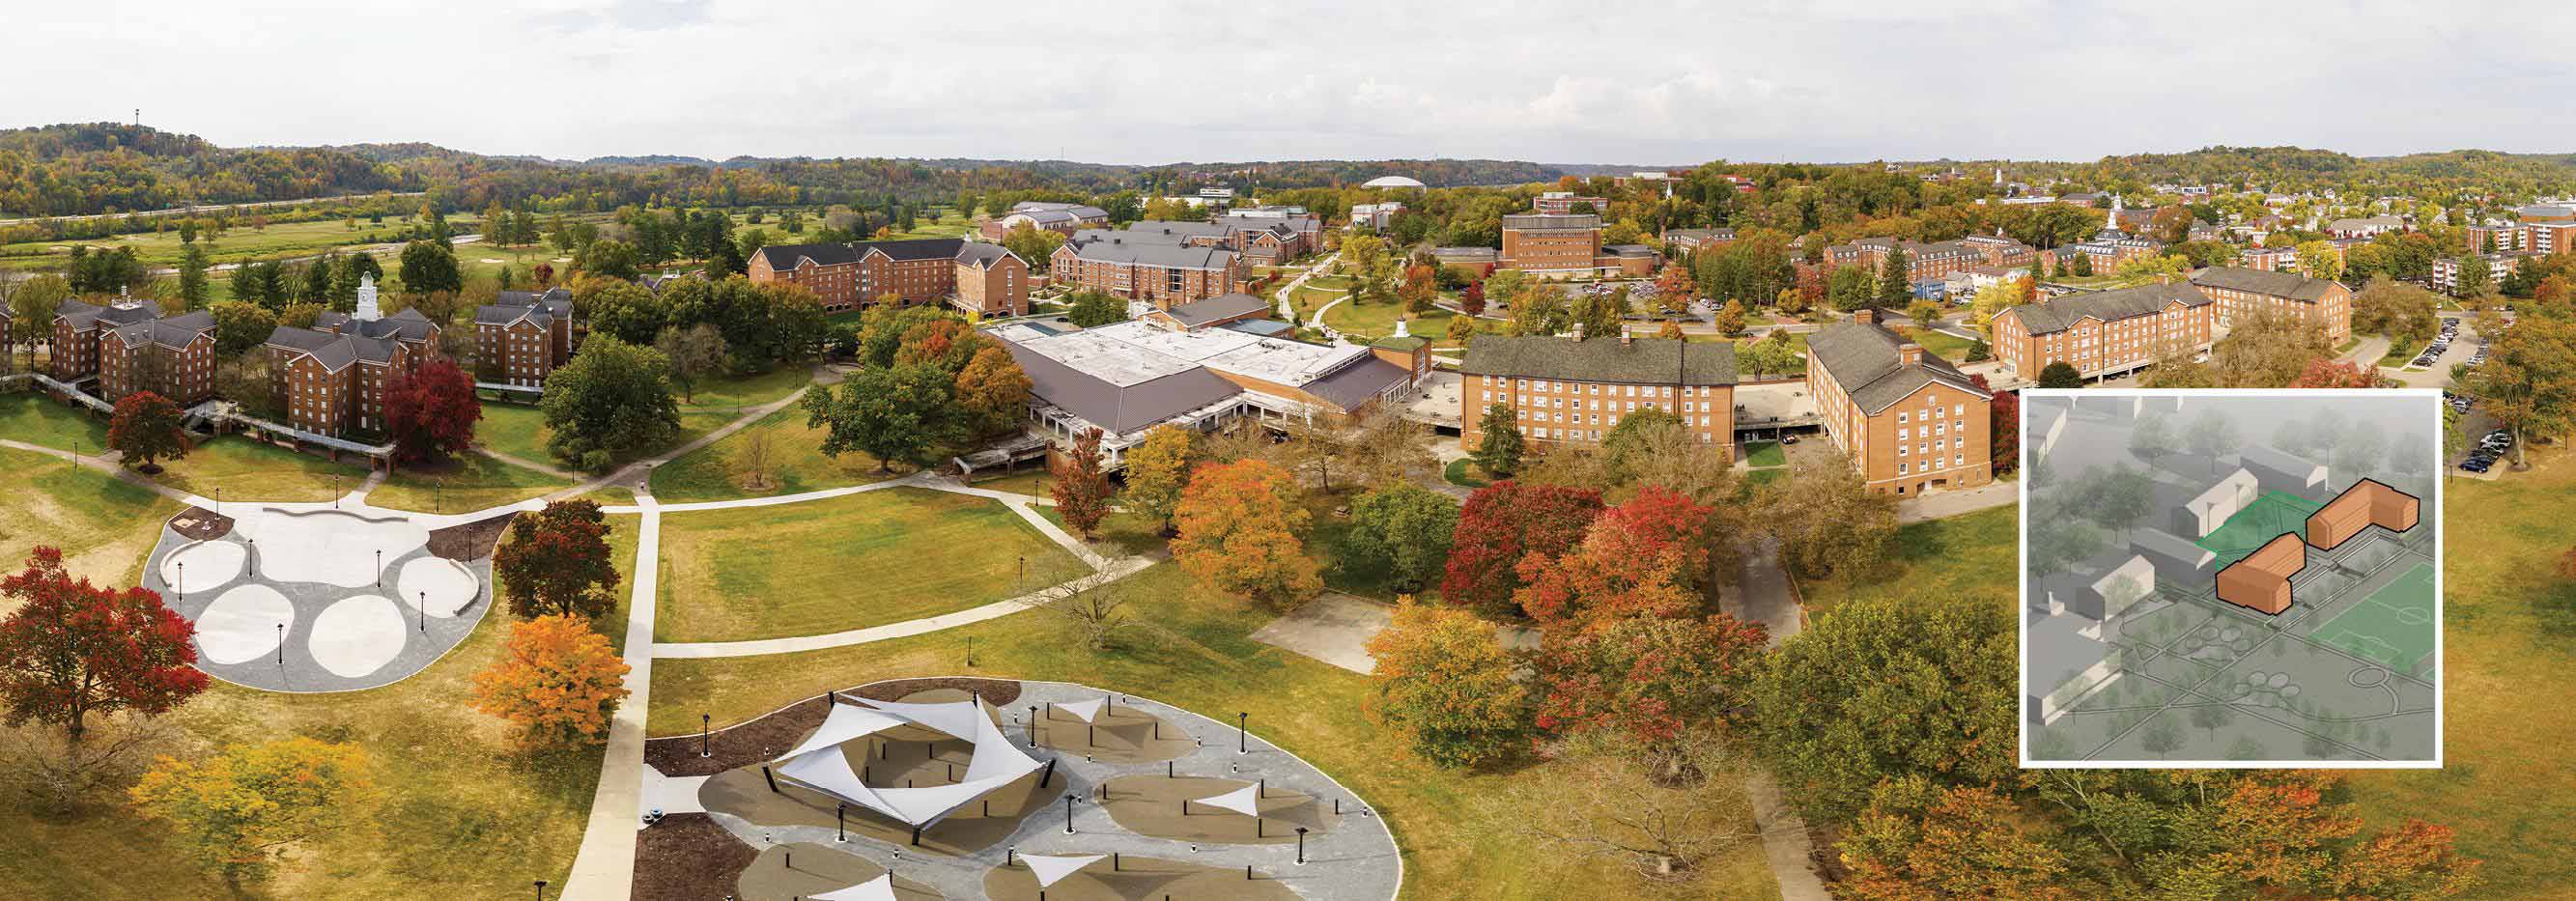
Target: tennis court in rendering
[2394, 625]
[2269, 515]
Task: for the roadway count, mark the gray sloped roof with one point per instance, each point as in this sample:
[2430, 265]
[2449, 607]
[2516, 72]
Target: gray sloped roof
[982, 255]
[2271, 282]
[1222, 306]
[174, 332]
[1115, 409]
[1551, 220]
[82, 313]
[1645, 361]
[2056, 314]
[506, 314]
[785, 256]
[1351, 386]
[1117, 250]
[1865, 358]
[334, 352]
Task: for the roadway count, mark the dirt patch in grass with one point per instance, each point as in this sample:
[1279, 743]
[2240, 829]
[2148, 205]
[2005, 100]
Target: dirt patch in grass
[997, 692]
[471, 541]
[200, 524]
[687, 857]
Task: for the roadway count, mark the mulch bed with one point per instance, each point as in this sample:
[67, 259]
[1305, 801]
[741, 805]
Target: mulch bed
[201, 524]
[762, 740]
[471, 541]
[687, 857]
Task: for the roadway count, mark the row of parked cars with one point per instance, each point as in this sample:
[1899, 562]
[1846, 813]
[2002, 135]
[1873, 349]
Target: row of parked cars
[2489, 448]
[2442, 342]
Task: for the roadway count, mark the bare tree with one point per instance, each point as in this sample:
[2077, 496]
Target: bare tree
[754, 455]
[1607, 799]
[59, 773]
[1098, 610]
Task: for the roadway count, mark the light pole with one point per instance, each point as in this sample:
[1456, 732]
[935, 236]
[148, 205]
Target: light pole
[1243, 733]
[380, 567]
[1033, 726]
[541, 890]
[281, 646]
[706, 726]
[182, 588]
[1068, 812]
[1301, 846]
[424, 611]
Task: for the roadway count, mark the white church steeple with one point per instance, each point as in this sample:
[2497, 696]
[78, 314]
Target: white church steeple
[367, 310]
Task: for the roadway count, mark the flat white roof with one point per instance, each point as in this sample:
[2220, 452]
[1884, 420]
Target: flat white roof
[1134, 346]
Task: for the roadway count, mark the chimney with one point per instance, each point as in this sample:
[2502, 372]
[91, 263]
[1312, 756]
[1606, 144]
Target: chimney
[1911, 352]
[1865, 316]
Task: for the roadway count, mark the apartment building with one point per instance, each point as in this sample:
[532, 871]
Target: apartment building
[333, 379]
[1061, 218]
[79, 326]
[522, 336]
[1693, 240]
[912, 271]
[1375, 216]
[1567, 390]
[2537, 237]
[1146, 267]
[2240, 291]
[1910, 421]
[2105, 254]
[2367, 227]
[1923, 262]
[2446, 271]
[2270, 259]
[172, 356]
[2104, 332]
[1999, 250]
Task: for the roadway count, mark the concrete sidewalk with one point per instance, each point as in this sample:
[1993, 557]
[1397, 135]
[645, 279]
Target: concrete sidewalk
[1953, 503]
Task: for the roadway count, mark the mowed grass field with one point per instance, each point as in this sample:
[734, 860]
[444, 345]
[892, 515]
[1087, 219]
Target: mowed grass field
[1195, 652]
[466, 813]
[1970, 556]
[844, 563]
[466, 482]
[796, 464]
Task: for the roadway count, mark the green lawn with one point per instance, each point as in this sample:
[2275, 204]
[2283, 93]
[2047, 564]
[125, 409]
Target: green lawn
[1765, 476]
[825, 566]
[40, 420]
[2400, 354]
[1962, 556]
[749, 390]
[104, 525]
[1764, 454]
[467, 813]
[519, 430]
[1377, 320]
[1199, 657]
[1032, 481]
[797, 464]
[162, 249]
[1465, 472]
[244, 469]
[1942, 344]
[1132, 533]
[467, 482]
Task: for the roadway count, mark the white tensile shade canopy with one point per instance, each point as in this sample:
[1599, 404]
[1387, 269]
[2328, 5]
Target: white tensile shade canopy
[1086, 711]
[1245, 801]
[1052, 868]
[819, 763]
[878, 889]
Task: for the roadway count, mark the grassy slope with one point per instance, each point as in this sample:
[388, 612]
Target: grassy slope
[104, 526]
[1454, 846]
[797, 464]
[844, 563]
[1963, 556]
[467, 482]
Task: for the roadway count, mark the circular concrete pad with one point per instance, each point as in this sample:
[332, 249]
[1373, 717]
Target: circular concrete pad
[2280, 679]
[448, 586]
[358, 635]
[209, 564]
[242, 624]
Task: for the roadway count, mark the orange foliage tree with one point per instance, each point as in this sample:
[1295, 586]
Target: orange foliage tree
[1645, 556]
[1242, 533]
[557, 679]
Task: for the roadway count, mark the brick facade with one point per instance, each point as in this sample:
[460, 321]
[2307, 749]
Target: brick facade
[2105, 331]
[928, 270]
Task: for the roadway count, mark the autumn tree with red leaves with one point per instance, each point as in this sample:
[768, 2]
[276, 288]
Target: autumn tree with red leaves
[2324, 373]
[73, 650]
[1082, 489]
[431, 411]
[2003, 427]
[1502, 523]
[147, 427]
[557, 562]
[1645, 557]
[1649, 676]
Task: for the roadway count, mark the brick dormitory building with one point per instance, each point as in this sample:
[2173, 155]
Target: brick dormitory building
[1149, 266]
[129, 346]
[1568, 390]
[1909, 421]
[332, 379]
[2104, 332]
[522, 336]
[2241, 292]
[974, 276]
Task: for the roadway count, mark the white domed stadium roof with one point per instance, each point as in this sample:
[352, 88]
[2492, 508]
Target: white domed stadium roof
[1392, 181]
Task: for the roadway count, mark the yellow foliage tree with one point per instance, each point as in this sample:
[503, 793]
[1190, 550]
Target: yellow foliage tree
[238, 812]
[557, 679]
[1241, 533]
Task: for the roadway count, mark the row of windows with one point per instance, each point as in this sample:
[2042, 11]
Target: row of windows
[1929, 465]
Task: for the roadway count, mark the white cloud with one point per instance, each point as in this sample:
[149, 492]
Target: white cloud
[1170, 80]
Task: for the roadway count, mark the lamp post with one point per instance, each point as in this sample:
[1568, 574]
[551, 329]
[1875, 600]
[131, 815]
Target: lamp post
[281, 645]
[1301, 846]
[1068, 813]
[182, 588]
[380, 567]
[541, 890]
[424, 611]
[254, 556]
[1243, 732]
[1033, 725]
[706, 726]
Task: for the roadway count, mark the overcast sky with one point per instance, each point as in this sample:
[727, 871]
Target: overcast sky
[1165, 81]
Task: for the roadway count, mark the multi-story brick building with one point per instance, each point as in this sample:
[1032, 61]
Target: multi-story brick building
[79, 326]
[1923, 262]
[333, 379]
[1999, 250]
[172, 356]
[2492, 238]
[522, 336]
[2240, 292]
[2104, 332]
[1061, 218]
[2270, 259]
[1694, 240]
[1551, 243]
[1909, 421]
[1146, 267]
[912, 271]
[2367, 227]
[1574, 391]
[1568, 203]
